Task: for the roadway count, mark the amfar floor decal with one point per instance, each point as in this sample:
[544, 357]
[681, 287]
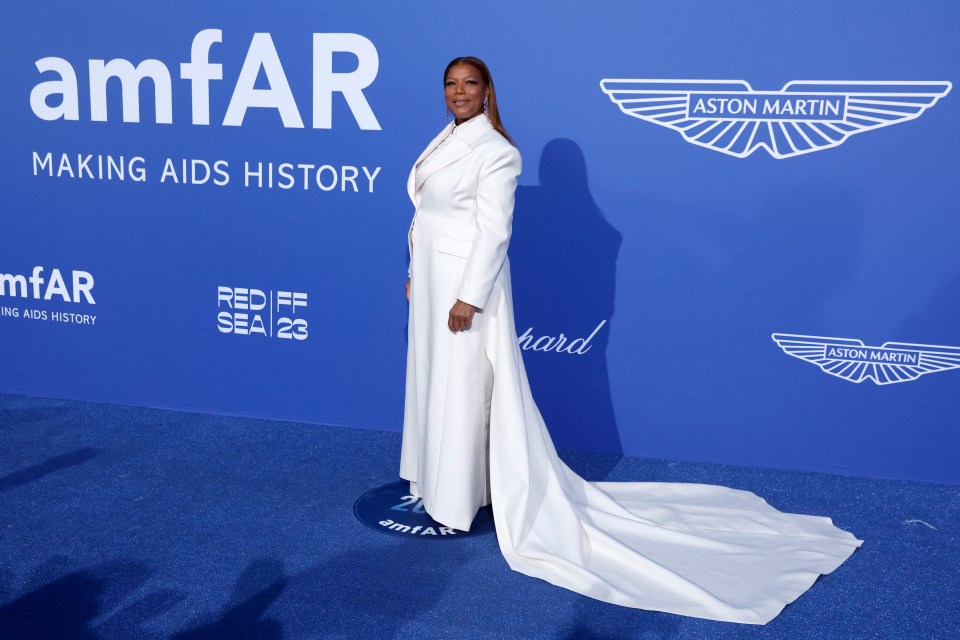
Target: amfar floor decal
[392, 510]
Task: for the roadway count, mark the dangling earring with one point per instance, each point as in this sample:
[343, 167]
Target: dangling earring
[485, 106]
[448, 116]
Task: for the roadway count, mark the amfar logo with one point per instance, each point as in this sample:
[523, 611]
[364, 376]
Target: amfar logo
[854, 361]
[262, 55]
[38, 287]
[804, 116]
[76, 287]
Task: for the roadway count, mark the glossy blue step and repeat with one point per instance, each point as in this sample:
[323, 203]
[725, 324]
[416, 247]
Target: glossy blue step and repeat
[736, 236]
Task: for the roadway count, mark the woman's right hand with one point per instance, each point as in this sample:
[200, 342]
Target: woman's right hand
[407, 289]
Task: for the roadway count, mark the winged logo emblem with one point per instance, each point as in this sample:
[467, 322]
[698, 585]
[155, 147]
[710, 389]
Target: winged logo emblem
[804, 116]
[854, 361]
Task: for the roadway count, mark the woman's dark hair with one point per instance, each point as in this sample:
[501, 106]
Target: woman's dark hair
[493, 113]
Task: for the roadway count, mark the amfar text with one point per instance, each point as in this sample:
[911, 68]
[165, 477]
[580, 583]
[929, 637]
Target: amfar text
[262, 54]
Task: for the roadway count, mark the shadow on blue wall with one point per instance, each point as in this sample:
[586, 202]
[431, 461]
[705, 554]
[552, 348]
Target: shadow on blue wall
[564, 259]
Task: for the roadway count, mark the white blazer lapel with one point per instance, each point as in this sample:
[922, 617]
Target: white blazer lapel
[452, 151]
[411, 179]
[455, 149]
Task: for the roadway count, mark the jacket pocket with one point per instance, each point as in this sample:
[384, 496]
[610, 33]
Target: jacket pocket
[454, 247]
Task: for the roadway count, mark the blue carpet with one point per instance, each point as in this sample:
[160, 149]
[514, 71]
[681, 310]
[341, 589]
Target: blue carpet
[120, 522]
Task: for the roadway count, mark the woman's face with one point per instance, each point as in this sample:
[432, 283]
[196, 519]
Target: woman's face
[464, 91]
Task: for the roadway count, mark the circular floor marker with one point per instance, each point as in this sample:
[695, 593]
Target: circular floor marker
[392, 510]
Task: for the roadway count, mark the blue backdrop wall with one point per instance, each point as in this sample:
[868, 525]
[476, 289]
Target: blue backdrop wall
[741, 217]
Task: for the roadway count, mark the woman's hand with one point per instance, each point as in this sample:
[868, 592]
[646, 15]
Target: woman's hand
[406, 288]
[461, 316]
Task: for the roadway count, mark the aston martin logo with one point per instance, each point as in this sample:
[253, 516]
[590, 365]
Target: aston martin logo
[854, 361]
[805, 116]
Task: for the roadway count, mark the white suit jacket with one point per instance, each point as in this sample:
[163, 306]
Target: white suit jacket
[470, 202]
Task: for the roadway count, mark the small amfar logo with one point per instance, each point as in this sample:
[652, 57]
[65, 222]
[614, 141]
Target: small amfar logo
[854, 361]
[804, 116]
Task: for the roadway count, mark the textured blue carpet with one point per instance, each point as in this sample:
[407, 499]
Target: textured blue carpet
[119, 522]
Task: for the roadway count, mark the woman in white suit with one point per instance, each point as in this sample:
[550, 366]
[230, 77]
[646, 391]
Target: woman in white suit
[472, 434]
[463, 188]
